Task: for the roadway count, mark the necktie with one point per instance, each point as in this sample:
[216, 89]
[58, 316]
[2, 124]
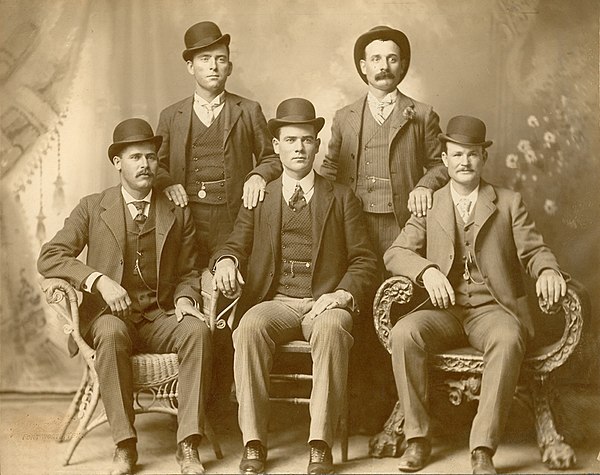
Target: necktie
[210, 112]
[381, 110]
[140, 218]
[464, 208]
[297, 201]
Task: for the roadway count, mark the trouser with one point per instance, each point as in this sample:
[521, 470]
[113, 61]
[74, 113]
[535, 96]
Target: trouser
[213, 226]
[488, 328]
[272, 323]
[115, 340]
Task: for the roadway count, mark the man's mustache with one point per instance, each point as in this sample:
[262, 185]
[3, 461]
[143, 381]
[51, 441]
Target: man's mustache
[384, 75]
[145, 173]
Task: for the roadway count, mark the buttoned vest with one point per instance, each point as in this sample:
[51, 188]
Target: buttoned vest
[295, 271]
[373, 181]
[205, 161]
[141, 247]
[472, 292]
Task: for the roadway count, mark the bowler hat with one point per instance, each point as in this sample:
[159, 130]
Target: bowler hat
[382, 33]
[295, 111]
[202, 35]
[465, 130]
[132, 131]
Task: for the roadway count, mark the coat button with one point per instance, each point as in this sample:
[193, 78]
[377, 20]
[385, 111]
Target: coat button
[351, 179]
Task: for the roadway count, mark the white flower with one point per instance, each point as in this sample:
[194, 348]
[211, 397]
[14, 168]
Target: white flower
[532, 121]
[549, 138]
[530, 156]
[550, 207]
[524, 145]
[511, 160]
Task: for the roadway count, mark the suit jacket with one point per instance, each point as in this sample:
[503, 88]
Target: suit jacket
[505, 241]
[98, 222]
[245, 135]
[342, 254]
[413, 147]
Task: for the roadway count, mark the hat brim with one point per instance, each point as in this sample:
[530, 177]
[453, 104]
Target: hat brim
[188, 53]
[274, 124]
[394, 35]
[116, 147]
[447, 138]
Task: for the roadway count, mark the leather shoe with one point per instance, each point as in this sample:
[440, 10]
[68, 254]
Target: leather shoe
[321, 460]
[415, 456]
[481, 461]
[254, 458]
[124, 459]
[187, 456]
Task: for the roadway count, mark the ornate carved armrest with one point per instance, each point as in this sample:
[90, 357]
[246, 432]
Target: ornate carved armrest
[395, 290]
[61, 296]
[210, 299]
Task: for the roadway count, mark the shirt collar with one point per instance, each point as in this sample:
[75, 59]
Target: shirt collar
[456, 197]
[130, 199]
[388, 99]
[216, 102]
[306, 183]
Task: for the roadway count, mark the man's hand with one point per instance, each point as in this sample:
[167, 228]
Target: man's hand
[420, 200]
[228, 278]
[339, 299]
[438, 286]
[184, 306]
[254, 191]
[114, 295]
[176, 193]
[551, 286]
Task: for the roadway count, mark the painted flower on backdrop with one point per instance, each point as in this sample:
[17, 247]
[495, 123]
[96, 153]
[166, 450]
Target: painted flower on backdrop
[409, 112]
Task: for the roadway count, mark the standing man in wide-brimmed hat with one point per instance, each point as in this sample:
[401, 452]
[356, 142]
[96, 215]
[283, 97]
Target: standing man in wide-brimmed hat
[306, 266]
[141, 291]
[212, 141]
[468, 254]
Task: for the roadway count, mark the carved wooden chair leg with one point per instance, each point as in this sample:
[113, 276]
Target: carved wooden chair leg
[388, 442]
[556, 453]
[212, 438]
[73, 407]
[87, 407]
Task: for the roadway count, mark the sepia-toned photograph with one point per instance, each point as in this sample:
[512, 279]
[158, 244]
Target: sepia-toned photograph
[335, 236]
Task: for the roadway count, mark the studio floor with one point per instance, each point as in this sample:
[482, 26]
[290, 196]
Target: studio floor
[29, 424]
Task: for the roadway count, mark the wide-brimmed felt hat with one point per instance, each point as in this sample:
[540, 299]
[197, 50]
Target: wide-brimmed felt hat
[132, 131]
[202, 35]
[465, 130]
[295, 111]
[382, 33]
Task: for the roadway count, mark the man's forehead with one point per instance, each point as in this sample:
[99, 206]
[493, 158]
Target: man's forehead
[456, 147]
[141, 147]
[379, 46]
[299, 130]
[214, 50]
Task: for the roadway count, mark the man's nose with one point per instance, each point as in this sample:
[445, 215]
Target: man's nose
[143, 162]
[299, 145]
[212, 63]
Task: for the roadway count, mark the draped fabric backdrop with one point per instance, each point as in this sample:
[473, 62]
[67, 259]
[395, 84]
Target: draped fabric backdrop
[70, 70]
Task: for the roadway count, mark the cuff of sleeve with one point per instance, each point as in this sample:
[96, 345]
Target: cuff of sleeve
[227, 256]
[192, 302]
[89, 282]
[419, 279]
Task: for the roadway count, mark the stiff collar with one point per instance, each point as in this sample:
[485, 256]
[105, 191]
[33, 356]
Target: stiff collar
[216, 102]
[289, 185]
[456, 197]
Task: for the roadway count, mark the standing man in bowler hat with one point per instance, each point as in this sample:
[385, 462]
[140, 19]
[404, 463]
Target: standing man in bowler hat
[215, 143]
[141, 291]
[305, 263]
[468, 253]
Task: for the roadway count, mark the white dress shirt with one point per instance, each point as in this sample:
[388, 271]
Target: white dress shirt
[472, 197]
[382, 109]
[289, 185]
[206, 111]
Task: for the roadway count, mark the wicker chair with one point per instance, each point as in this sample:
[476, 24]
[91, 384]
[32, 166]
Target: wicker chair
[467, 366]
[155, 375]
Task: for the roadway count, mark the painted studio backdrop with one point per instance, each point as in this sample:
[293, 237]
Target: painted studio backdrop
[70, 70]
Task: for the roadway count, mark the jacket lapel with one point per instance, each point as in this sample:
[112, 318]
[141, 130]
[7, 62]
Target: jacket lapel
[485, 206]
[443, 212]
[113, 217]
[181, 129]
[322, 201]
[164, 222]
[397, 118]
[232, 112]
[271, 207]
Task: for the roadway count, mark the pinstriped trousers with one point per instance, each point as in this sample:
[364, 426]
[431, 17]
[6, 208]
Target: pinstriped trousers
[278, 321]
[115, 340]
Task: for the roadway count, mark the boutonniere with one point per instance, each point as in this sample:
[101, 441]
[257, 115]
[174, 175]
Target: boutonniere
[409, 112]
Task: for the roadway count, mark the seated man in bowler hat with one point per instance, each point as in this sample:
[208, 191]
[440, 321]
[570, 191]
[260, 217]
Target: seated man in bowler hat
[212, 141]
[304, 263]
[467, 253]
[141, 290]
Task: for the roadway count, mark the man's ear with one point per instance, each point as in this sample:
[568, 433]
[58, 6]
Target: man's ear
[317, 145]
[190, 67]
[229, 69]
[116, 160]
[445, 159]
[484, 155]
[363, 66]
[276, 145]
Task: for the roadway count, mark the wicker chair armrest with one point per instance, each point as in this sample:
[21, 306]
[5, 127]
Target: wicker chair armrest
[62, 298]
[395, 290]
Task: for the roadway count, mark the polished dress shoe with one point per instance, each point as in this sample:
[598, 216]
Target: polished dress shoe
[254, 458]
[415, 456]
[321, 460]
[124, 459]
[187, 456]
[481, 461]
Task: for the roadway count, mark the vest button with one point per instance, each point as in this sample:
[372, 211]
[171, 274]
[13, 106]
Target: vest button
[197, 182]
[222, 183]
[195, 159]
[389, 204]
[219, 198]
[352, 156]
[372, 205]
[196, 169]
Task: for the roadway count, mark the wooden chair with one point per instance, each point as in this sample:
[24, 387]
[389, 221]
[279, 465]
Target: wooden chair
[467, 364]
[155, 375]
[303, 347]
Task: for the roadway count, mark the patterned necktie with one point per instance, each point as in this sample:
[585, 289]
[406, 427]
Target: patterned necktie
[210, 112]
[381, 107]
[464, 208]
[140, 218]
[297, 201]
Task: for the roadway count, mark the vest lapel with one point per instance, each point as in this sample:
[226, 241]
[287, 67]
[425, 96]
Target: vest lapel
[232, 112]
[321, 201]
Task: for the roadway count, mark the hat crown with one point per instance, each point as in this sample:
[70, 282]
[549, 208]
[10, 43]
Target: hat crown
[204, 32]
[296, 109]
[466, 129]
[132, 129]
